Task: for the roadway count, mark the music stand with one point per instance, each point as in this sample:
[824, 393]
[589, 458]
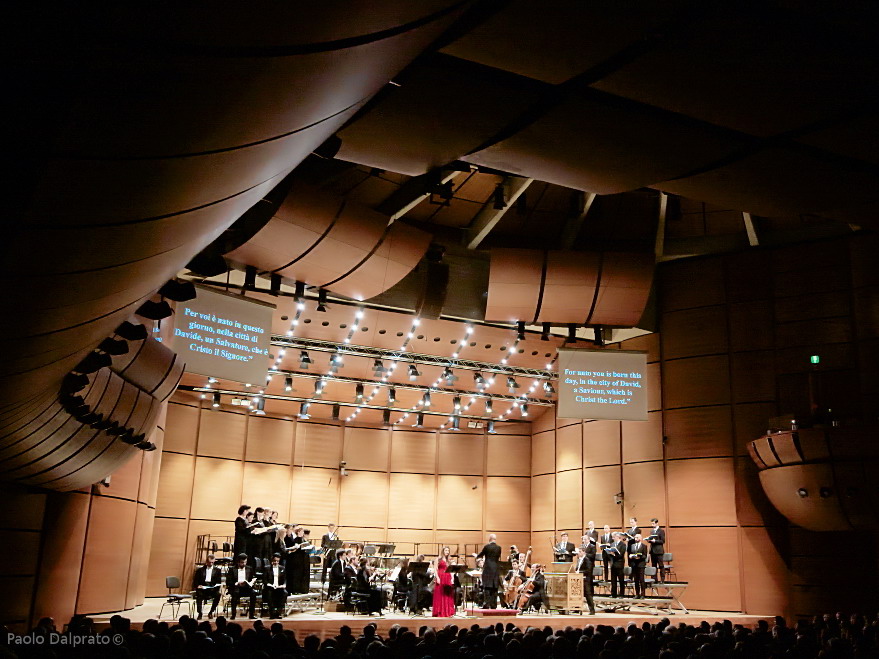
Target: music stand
[419, 568]
[456, 570]
[386, 549]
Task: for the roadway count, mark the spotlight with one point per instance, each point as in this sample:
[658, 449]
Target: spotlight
[236, 401]
[499, 197]
[104, 424]
[548, 388]
[216, 400]
[524, 409]
[456, 423]
[456, 403]
[304, 360]
[116, 430]
[113, 347]
[386, 417]
[511, 383]
[336, 410]
[288, 383]
[491, 430]
[260, 407]
[358, 392]
[572, 332]
[130, 438]
[478, 380]
[179, 291]
[803, 492]
[377, 367]
[413, 372]
[488, 405]
[336, 361]
[544, 335]
[146, 446]
[303, 411]
[94, 361]
[322, 300]
[74, 382]
[318, 389]
[520, 330]
[449, 376]
[426, 399]
[419, 420]
[72, 402]
[275, 284]
[392, 396]
[825, 492]
[90, 418]
[154, 310]
[131, 332]
[249, 278]
[299, 290]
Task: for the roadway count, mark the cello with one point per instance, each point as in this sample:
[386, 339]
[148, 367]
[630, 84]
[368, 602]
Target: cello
[511, 589]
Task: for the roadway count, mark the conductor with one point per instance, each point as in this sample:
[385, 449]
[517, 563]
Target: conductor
[491, 553]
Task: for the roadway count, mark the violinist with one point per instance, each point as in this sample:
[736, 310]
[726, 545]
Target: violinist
[534, 591]
[363, 586]
[419, 595]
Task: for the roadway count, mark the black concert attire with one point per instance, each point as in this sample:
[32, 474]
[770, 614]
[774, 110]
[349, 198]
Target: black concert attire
[252, 542]
[266, 542]
[630, 533]
[287, 544]
[617, 563]
[637, 561]
[337, 578]
[298, 565]
[606, 539]
[244, 590]
[402, 588]
[592, 535]
[420, 596]
[490, 577]
[362, 585]
[564, 552]
[241, 535]
[211, 578]
[275, 590]
[584, 566]
[537, 599]
[656, 540]
[329, 555]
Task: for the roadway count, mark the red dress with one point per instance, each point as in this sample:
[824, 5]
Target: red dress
[443, 592]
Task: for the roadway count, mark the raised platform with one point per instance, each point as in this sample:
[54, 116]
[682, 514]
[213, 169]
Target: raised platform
[327, 624]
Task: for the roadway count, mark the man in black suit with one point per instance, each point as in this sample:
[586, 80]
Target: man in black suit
[239, 583]
[206, 583]
[491, 552]
[329, 553]
[591, 533]
[656, 540]
[637, 561]
[275, 587]
[633, 529]
[537, 599]
[337, 574]
[617, 558]
[583, 563]
[606, 540]
[564, 550]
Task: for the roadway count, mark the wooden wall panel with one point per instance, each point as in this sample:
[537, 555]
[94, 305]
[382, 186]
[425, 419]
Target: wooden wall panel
[753, 376]
[24, 546]
[461, 454]
[642, 440]
[696, 381]
[196, 528]
[508, 504]
[543, 453]
[569, 447]
[125, 481]
[221, 434]
[676, 284]
[543, 502]
[749, 329]
[107, 550]
[569, 499]
[364, 499]
[413, 452]
[599, 486]
[318, 445]
[644, 487]
[366, 448]
[601, 443]
[713, 573]
[407, 539]
[654, 387]
[181, 428]
[217, 491]
[765, 573]
[412, 501]
[459, 538]
[267, 485]
[150, 468]
[16, 601]
[459, 505]
[701, 492]
[751, 421]
[314, 495]
[693, 332]
[520, 427]
[174, 495]
[543, 422]
[143, 531]
[269, 440]
[699, 432]
[508, 455]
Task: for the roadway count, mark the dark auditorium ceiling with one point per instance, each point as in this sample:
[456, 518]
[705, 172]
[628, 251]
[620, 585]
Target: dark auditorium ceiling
[147, 137]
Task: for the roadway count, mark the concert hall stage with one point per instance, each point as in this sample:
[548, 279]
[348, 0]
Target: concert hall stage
[328, 624]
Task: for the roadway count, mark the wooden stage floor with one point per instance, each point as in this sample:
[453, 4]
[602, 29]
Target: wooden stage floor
[328, 624]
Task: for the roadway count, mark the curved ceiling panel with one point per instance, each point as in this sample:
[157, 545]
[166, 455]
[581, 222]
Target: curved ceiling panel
[325, 241]
[542, 286]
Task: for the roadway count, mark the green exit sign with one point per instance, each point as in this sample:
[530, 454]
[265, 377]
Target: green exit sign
[815, 359]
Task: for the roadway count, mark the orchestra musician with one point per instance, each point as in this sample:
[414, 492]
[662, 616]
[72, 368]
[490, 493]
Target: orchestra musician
[605, 541]
[514, 578]
[491, 552]
[583, 563]
[241, 532]
[363, 585]
[617, 557]
[419, 593]
[536, 584]
[637, 561]
[206, 582]
[402, 582]
[337, 574]
[564, 550]
[274, 588]
[239, 583]
[656, 540]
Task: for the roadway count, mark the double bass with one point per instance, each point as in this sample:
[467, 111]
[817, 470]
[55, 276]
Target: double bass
[511, 589]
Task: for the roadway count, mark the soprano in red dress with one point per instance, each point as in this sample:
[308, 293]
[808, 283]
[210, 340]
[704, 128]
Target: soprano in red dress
[443, 591]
